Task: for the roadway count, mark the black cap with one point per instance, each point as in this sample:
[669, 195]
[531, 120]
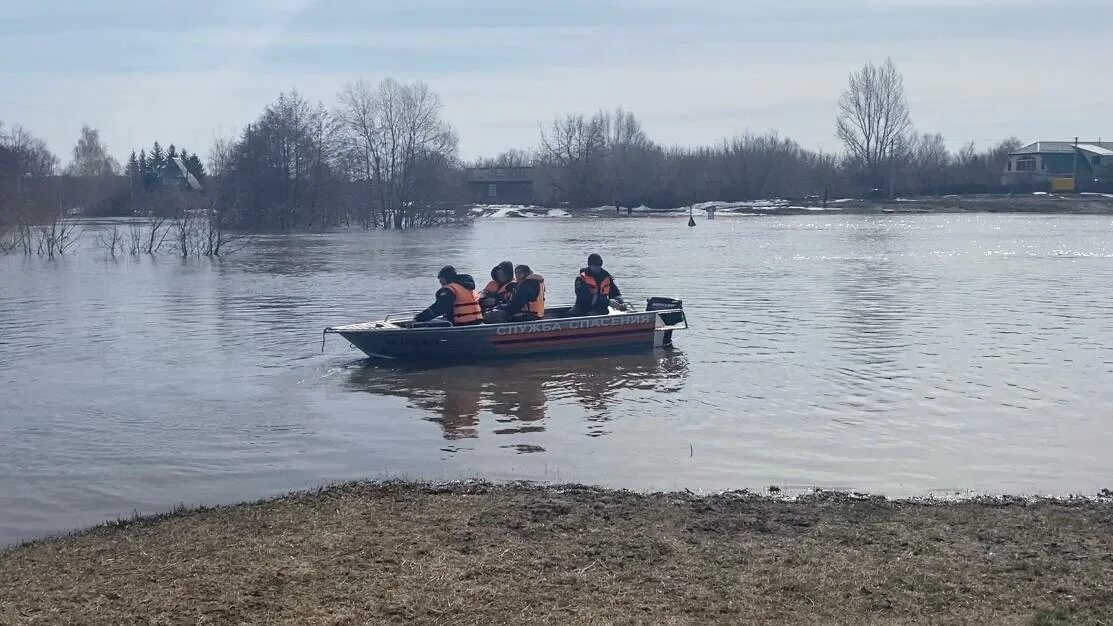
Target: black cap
[447, 272]
[594, 259]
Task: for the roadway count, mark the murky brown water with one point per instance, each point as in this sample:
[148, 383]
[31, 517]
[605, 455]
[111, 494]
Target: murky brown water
[897, 354]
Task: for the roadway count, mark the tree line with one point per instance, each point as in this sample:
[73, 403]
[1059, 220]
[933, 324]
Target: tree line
[383, 156]
[607, 158]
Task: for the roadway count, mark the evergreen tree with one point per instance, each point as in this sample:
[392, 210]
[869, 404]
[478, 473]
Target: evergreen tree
[149, 167]
[194, 166]
[157, 160]
[171, 152]
[132, 169]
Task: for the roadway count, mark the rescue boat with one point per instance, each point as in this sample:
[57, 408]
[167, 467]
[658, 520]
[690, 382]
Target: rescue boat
[557, 332]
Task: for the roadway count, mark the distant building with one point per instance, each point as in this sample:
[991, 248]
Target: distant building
[1060, 166]
[175, 172]
[501, 185]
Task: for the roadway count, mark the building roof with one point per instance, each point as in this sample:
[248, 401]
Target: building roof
[185, 174]
[1096, 149]
[1064, 147]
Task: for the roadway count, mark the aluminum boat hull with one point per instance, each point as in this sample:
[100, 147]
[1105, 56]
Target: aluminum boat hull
[590, 334]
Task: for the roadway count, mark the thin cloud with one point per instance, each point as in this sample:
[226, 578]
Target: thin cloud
[694, 73]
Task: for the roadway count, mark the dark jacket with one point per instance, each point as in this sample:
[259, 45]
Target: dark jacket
[496, 294]
[586, 302]
[526, 292]
[443, 306]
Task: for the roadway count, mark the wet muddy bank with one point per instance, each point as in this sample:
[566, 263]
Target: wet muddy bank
[480, 553]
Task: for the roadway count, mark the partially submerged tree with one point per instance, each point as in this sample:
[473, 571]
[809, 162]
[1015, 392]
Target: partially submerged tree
[401, 150]
[275, 175]
[28, 193]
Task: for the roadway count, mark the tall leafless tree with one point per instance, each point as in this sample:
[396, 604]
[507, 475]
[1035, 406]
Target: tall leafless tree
[90, 156]
[874, 122]
[631, 158]
[401, 146]
[277, 173]
[576, 145]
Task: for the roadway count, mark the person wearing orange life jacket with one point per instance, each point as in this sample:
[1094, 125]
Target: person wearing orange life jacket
[595, 289]
[528, 301]
[498, 291]
[456, 300]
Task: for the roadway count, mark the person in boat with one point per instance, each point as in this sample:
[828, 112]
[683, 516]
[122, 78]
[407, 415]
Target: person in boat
[498, 291]
[528, 301]
[456, 300]
[595, 289]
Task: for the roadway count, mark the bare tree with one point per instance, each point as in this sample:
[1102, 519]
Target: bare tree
[57, 235]
[90, 156]
[220, 157]
[146, 237]
[184, 230]
[402, 147]
[931, 159]
[510, 158]
[278, 173]
[29, 156]
[576, 145]
[874, 121]
[215, 236]
[156, 235]
[112, 240]
[27, 190]
[134, 237]
[631, 158]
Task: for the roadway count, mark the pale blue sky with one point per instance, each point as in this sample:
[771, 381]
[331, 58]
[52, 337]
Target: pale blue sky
[189, 72]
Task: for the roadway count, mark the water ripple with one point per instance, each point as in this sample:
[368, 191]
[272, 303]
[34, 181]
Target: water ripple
[895, 354]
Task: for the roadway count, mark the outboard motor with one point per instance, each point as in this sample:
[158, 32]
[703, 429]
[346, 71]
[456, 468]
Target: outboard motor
[666, 304]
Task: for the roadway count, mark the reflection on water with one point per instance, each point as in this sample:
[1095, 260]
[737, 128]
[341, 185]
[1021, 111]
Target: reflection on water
[873, 309]
[516, 394]
[890, 354]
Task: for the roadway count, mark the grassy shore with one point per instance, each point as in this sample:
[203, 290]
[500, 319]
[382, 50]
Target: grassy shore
[480, 553]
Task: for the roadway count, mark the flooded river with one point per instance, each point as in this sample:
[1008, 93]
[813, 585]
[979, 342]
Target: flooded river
[902, 355]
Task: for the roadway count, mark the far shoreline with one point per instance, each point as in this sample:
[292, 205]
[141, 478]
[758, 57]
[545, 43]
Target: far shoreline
[1035, 203]
[477, 552]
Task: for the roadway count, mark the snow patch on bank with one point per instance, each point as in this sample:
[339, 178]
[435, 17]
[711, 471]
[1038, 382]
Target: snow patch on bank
[515, 211]
[702, 209]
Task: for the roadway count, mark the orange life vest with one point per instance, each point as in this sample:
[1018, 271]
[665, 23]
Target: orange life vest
[465, 309]
[597, 288]
[537, 305]
[501, 293]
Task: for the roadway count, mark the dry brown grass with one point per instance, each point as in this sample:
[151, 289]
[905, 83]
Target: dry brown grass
[477, 553]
